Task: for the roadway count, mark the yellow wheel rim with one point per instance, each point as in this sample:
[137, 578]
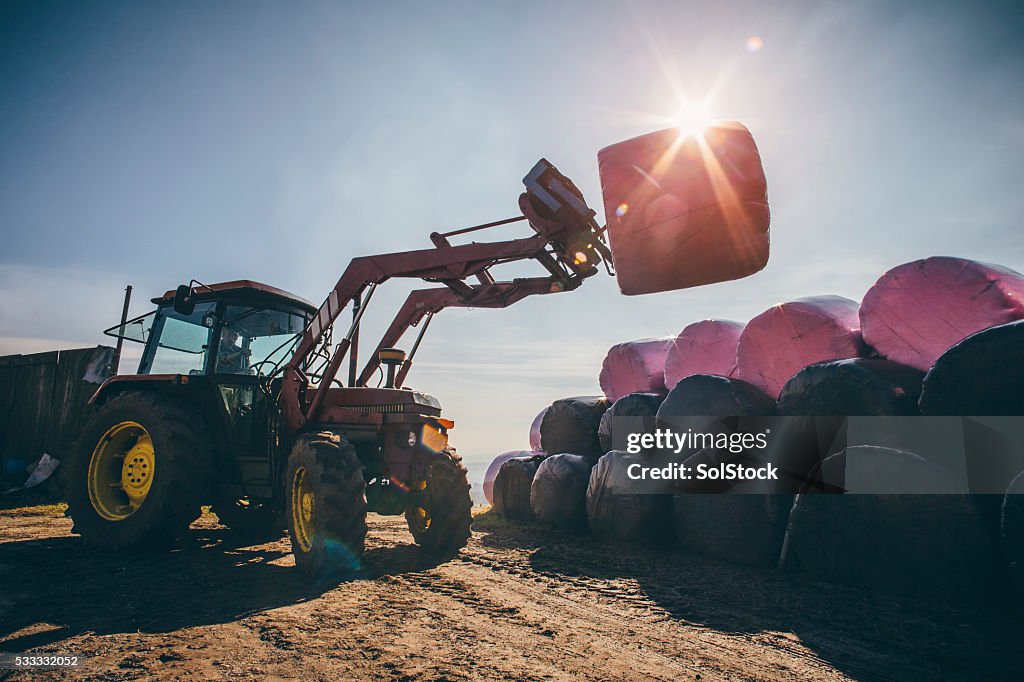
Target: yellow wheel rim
[302, 508]
[121, 471]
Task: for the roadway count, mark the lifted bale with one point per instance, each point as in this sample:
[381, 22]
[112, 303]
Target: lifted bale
[616, 511]
[633, 405]
[512, 488]
[570, 426]
[495, 466]
[981, 375]
[740, 528]
[635, 367]
[535, 431]
[912, 531]
[784, 339]
[558, 496]
[1013, 533]
[918, 310]
[852, 387]
[705, 347]
[685, 210]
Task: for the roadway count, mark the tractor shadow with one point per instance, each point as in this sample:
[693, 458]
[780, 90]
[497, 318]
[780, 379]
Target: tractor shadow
[863, 634]
[210, 577]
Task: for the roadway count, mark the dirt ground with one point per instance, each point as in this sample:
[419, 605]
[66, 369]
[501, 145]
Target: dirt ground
[522, 604]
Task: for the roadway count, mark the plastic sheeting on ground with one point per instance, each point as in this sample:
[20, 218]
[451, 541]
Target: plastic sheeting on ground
[854, 387]
[982, 375]
[570, 425]
[918, 310]
[784, 339]
[632, 405]
[705, 347]
[559, 493]
[685, 210]
[635, 367]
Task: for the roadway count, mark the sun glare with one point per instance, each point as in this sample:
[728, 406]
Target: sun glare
[692, 118]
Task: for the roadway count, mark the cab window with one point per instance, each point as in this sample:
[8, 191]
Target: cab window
[256, 341]
[181, 342]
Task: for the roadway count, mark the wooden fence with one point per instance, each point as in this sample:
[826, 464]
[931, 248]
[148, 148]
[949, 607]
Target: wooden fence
[44, 400]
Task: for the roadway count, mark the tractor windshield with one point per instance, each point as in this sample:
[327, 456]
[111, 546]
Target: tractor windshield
[181, 341]
[256, 340]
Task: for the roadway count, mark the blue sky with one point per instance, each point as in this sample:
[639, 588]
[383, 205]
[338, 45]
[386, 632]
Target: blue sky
[150, 143]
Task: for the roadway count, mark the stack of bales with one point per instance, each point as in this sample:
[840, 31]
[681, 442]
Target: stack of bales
[936, 337]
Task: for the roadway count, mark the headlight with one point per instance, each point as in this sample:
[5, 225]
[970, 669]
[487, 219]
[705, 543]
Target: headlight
[434, 438]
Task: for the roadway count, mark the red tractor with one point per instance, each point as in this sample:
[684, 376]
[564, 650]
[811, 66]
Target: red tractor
[237, 401]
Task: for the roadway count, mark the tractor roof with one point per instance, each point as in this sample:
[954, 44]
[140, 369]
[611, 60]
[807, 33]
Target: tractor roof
[244, 287]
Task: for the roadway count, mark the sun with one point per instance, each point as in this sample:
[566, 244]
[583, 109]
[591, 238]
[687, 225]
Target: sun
[692, 118]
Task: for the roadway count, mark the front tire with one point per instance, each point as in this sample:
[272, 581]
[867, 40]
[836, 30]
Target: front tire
[326, 505]
[138, 473]
[440, 518]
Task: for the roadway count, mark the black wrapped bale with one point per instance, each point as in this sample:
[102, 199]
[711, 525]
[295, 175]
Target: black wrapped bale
[512, 488]
[981, 375]
[734, 527]
[558, 496]
[1013, 533]
[708, 395]
[615, 511]
[570, 426]
[912, 531]
[633, 405]
[853, 387]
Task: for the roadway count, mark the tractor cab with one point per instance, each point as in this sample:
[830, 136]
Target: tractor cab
[239, 328]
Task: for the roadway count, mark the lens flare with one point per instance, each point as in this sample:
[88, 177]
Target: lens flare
[692, 118]
[754, 44]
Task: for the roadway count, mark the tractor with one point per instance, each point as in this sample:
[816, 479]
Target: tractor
[237, 401]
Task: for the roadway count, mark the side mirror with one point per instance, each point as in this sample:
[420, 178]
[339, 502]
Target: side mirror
[184, 304]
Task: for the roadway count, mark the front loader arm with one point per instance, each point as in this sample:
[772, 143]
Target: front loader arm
[567, 243]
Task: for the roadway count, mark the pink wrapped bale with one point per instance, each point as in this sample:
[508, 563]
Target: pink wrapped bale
[492, 471]
[685, 210]
[635, 367]
[787, 337]
[535, 431]
[705, 347]
[917, 311]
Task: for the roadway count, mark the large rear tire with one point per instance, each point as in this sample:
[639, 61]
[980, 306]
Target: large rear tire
[138, 473]
[440, 517]
[326, 505]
